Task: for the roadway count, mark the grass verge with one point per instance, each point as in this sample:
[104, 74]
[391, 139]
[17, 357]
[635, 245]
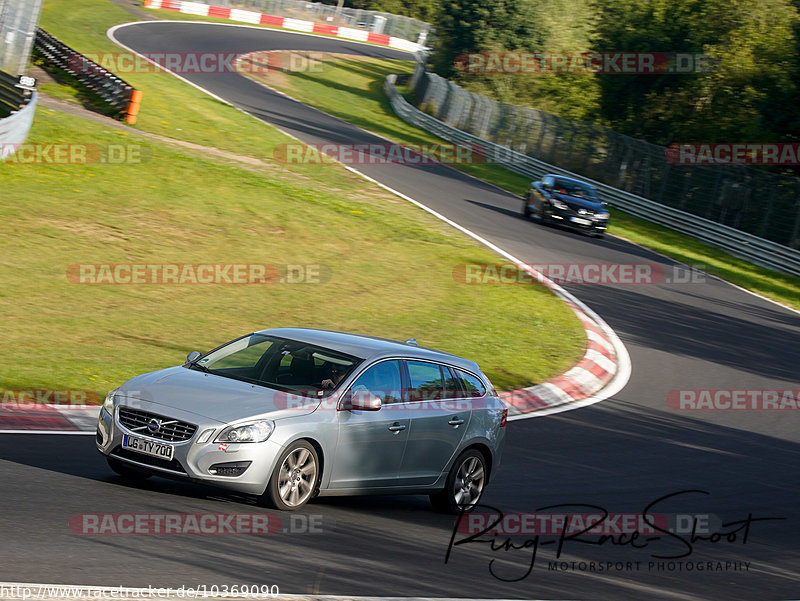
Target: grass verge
[391, 264]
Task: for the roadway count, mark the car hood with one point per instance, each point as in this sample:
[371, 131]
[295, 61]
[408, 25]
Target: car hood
[580, 203]
[212, 396]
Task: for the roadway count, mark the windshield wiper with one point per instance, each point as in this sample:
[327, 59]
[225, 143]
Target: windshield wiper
[200, 367]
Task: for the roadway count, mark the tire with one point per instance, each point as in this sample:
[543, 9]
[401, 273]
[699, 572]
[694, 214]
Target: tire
[125, 472]
[299, 461]
[451, 500]
[526, 211]
[543, 217]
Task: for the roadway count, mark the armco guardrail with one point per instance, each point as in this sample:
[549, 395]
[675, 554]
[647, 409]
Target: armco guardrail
[741, 244]
[104, 84]
[13, 96]
[17, 105]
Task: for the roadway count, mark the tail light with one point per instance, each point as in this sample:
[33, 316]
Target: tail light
[504, 419]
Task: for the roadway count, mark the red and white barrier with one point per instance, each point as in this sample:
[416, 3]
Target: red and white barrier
[254, 18]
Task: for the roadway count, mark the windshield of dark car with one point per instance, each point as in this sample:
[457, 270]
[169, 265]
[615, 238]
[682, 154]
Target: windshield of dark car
[576, 190]
[280, 363]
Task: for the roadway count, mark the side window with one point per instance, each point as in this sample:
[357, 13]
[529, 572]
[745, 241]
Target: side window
[426, 382]
[452, 384]
[473, 385]
[381, 380]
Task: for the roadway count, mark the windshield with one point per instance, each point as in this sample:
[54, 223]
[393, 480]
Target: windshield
[279, 363]
[576, 190]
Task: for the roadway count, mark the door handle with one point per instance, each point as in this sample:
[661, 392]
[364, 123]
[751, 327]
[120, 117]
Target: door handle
[397, 428]
[456, 421]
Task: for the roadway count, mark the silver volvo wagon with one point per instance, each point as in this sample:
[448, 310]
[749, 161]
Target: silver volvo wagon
[292, 413]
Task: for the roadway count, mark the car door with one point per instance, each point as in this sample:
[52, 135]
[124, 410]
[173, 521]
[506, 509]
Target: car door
[439, 419]
[370, 444]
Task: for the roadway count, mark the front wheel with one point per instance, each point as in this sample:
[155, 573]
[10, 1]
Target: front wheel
[295, 477]
[464, 485]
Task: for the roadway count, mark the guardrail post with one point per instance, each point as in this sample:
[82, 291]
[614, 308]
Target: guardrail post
[133, 107]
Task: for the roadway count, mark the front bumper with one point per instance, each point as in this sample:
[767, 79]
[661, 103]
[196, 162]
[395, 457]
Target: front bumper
[587, 222]
[193, 460]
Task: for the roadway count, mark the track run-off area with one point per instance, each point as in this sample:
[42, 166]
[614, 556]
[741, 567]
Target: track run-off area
[627, 454]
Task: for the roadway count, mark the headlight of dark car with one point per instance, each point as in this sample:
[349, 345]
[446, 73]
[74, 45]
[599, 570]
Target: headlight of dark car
[562, 206]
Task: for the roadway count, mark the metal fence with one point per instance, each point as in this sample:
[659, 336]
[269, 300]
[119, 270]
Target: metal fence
[753, 248]
[14, 128]
[747, 199]
[113, 91]
[373, 21]
[18, 20]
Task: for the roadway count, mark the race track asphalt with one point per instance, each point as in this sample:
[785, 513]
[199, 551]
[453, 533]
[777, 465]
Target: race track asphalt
[621, 454]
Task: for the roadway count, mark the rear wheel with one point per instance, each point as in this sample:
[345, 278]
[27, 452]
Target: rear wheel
[526, 209]
[464, 485]
[295, 477]
[126, 472]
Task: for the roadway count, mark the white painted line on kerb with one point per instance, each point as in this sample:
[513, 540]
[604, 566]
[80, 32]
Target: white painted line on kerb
[261, 28]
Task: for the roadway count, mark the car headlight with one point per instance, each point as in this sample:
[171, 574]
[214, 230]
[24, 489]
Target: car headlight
[255, 432]
[602, 215]
[559, 205]
[108, 404]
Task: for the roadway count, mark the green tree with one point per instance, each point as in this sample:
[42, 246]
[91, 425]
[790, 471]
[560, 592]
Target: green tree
[752, 48]
[464, 26]
[424, 10]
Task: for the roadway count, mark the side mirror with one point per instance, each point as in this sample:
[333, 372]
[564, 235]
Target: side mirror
[192, 357]
[360, 401]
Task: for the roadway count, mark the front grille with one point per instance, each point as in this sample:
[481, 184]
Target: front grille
[173, 465]
[169, 429]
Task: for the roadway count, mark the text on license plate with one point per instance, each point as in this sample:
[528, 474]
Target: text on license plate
[580, 221]
[148, 447]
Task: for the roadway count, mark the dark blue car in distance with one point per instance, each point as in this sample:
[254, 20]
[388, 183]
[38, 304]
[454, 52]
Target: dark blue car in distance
[567, 201]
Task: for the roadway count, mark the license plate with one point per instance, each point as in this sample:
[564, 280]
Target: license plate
[148, 447]
[580, 221]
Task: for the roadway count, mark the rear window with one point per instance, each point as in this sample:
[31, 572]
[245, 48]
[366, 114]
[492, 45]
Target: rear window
[472, 385]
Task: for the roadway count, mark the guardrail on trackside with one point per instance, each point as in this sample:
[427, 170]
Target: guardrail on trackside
[17, 105]
[741, 244]
[112, 90]
[354, 34]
